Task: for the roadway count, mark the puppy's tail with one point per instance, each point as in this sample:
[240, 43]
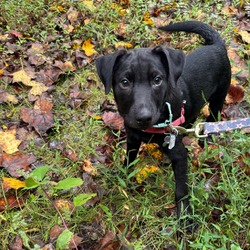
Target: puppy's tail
[206, 31]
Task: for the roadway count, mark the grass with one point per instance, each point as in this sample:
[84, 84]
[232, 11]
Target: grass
[142, 216]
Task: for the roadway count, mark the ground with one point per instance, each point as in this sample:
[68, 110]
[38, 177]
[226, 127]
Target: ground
[62, 141]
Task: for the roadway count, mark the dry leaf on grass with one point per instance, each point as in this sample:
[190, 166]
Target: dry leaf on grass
[8, 141]
[12, 183]
[40, 117]
[37, 87]
[17, 162]
[6, 97]
[88, 48]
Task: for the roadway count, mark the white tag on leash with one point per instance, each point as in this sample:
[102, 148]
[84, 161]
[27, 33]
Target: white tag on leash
[169, 140]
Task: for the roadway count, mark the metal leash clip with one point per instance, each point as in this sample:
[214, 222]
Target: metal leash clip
[197, 130]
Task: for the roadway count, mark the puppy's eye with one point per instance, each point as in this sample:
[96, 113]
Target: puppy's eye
[157, 81]
[124, 83]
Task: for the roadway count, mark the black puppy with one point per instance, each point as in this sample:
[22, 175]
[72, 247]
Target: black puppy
[157, 87]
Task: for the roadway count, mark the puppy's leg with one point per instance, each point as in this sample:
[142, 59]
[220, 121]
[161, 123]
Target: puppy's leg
[133, 145]
[178, 157]
[216, 104]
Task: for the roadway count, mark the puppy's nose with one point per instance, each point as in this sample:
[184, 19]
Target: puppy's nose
[144, 118]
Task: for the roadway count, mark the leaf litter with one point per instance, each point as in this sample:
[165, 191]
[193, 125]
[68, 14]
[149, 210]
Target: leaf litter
[44, 65]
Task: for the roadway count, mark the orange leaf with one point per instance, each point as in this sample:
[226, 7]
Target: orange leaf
[88, 48]
[9, 183]
[88, 167]
[235, 94]
[147, 19]
[10, 202]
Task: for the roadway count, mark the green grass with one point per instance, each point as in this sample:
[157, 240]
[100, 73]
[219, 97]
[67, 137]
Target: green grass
[141, 215]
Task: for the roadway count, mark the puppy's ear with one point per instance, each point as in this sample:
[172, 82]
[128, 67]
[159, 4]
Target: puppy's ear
[105, 66]
[175, 60]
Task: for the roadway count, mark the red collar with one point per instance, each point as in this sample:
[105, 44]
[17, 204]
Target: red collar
[167, 128]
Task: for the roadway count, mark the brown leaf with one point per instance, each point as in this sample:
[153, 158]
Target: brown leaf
[16, 162]
[235, 94]
[65, 67]
[17, 244]
[10, 202]
[49, 76]
[113, 120]
[75, 241]
[55, 231]
[40, 117]
[6, 97]
[109, 242]
[76, 97]
[70, 155]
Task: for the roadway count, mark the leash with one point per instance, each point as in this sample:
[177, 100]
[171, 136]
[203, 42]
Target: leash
[201, 130]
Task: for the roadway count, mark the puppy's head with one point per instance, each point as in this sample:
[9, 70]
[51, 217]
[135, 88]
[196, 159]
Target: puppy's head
[142, 81]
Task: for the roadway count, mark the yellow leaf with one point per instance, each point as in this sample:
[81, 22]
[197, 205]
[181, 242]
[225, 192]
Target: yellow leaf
[21, 76]
[37, 87]
[87, 21]
[11, 98]
[88, 48]
[60, 8]
[205, 111]
[12, 183]
[88, 167]
[245, 36]
[89, 5]
[145, 171]
[147, 19]
[8, 141]
[1, 72]
[123, 44]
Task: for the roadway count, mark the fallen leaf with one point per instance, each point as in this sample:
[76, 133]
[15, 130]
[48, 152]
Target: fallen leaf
[88, 168]
[88, 48]
[229, 10]
[55, 231]
[113, 120]
[123, 44]
[16, 244]
[6, 97]
[245, 35]
[37, 87]
[205, 110]
[17, 163]
[145, 171]
[10, 202]
[9, 183]
[239, 66]
[40, 117]
[147, 19]
[109, 242]
[64, 205]
[65, 67]
[235, 94]
[75, 241]
[89, 5]
[71, 155]
[8, 141]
